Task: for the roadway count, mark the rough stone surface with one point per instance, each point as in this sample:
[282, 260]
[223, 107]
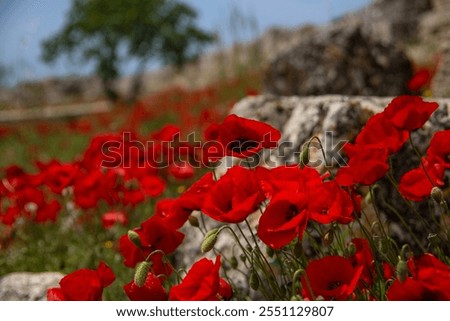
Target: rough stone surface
[27, 286]
[340, 60]
[435, 31]
[335, 120]
[391, 20]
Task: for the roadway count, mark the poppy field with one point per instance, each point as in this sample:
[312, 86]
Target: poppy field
[111, 209]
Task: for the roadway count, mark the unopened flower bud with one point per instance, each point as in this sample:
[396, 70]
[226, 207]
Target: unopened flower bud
[208, 242]
[134, 238]
[211, 232]
[304, 156]
[368, 198]
[193, 220]
[328, 238]
[437, 195]
[140, 275]
[234, 262]
[243, 258]
[402, 270]
[254, 280]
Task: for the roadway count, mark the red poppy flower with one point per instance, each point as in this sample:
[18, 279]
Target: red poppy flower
[420, 80]
[429, 280]
[104, 149]
[284, 219]
[289, 177]
[440, 147]
[181, 170]
[380, 133]
[329, 203]
[152, 185]
[110, 219]
[243, 137]
[175, 212]
[225, 291]
[409, 112]
[16, 179]
[201, 283]
[47, 212]
[58, 176]
[167, 133]
[363, 257]
[236, 195]
[10, 215]
[152, 290]
[83, 285]
[417, 184]
[88, 189]
[332, 277]
[366, 165]
[154, 235]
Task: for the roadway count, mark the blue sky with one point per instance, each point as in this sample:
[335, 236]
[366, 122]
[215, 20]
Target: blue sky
[25, 23]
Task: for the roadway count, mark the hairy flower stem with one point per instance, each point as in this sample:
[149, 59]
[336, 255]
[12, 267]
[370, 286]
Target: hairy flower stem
[377, 210]
[263, 265]
[416, 150]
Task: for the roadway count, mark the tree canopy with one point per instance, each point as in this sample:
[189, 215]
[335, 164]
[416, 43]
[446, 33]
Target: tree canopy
[110, 32]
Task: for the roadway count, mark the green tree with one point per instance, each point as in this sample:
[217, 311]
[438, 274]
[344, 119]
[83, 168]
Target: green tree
[111, 32]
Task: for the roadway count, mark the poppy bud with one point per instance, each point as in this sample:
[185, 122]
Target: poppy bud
[213, 231]
[303, 159]
[134, 238]
[254, 280]
[234, 262]
[437, 194]
[368, 198]
[193, 220]
[243, 257]
[208, 242]
[328, 238]
[402, 270]
[140, 275]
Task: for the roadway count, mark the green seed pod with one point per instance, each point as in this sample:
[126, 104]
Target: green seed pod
[208, 242]
[402, 270]
[140, 275]
[254, 280]
[134, 238]
[193, 220]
